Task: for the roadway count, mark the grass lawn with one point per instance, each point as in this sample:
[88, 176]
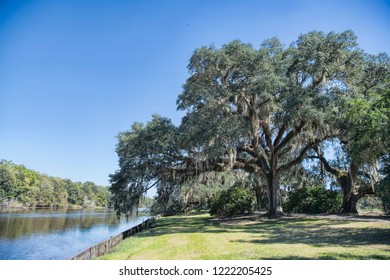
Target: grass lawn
[201, 237]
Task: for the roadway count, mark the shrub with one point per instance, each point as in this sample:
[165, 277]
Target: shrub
[233, 201]
[313, 200]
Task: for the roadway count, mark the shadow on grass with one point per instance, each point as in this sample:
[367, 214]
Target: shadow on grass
[335, 256]
[185, 224]
[313, 231]
[319, 233]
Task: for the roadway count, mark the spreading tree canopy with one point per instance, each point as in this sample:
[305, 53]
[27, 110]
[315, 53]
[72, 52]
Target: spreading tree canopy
[261, 111]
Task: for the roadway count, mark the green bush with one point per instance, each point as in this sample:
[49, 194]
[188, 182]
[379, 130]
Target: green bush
[233, 201]
[313, 200]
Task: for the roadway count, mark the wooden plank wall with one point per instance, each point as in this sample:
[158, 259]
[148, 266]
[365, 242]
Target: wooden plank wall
[103, 247]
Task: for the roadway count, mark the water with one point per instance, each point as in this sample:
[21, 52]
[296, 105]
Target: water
[56, 234]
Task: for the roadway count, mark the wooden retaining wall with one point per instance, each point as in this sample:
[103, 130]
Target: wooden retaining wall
[103, 247]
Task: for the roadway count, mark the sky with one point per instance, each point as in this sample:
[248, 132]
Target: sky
[73, 74]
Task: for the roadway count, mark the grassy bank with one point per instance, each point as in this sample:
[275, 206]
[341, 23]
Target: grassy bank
[252, 237]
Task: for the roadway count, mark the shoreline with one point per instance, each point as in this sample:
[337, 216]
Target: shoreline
[104, 247]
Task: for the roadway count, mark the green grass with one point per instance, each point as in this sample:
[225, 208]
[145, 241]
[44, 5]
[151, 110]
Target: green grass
[203, 237]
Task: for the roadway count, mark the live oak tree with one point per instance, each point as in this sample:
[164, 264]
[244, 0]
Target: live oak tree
[261, 111]
[364, 125]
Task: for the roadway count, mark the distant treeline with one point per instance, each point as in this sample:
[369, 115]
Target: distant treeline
[23, 187]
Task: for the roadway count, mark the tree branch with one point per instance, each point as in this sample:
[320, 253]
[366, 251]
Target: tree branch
[326, 164]
[263, 145]
[302, 154]
[267, 134]
[289, 137]
[365, 174]
[280, 135]
[155, 183]
[295, 161]
[262, 103]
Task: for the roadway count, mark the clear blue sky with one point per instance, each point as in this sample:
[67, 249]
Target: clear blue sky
[73, 74]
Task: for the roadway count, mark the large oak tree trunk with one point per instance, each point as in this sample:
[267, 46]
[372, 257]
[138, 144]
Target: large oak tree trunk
[350, 199]
[274, 197]
[349, 204]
